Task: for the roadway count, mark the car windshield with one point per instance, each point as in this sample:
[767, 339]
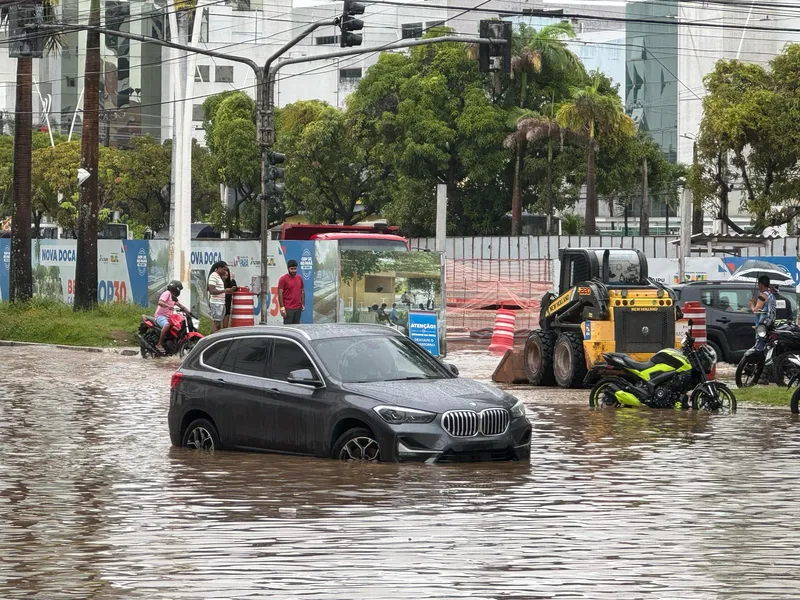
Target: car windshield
[366, 359]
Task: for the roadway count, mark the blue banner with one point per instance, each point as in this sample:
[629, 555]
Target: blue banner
[303, 252]
[5, 265]
[423, 328]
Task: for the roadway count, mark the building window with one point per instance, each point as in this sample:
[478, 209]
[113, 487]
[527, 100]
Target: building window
[412, 30]
[201, 74]
[197, 112]
[70, 81]
[348, 74]
[223, 74]
[432, 24]
[327, 40]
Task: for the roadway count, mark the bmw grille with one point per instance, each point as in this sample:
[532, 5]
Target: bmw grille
[468, 423]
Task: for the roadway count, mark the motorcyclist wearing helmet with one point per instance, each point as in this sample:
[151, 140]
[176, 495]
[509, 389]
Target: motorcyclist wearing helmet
[166, 306]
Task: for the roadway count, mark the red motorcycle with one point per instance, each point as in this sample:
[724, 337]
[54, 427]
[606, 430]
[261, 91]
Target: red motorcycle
[180, 340]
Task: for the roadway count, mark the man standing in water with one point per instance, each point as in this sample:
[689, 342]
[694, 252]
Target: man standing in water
[291, 295]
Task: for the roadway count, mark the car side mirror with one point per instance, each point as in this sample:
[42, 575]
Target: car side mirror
[452, 368]
[304, 377]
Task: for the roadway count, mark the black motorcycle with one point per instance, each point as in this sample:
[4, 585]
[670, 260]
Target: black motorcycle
[771, 354]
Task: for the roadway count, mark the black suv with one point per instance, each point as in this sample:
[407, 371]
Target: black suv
[729, 321]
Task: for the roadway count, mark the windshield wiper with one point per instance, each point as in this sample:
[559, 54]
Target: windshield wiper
[414, 378]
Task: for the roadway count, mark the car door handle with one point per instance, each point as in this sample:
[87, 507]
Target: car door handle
[220, 380]
[272, 391]
[723, 320]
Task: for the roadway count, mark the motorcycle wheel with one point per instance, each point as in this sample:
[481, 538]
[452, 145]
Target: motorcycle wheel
[145, 352]
[784, 369]
[795, 403]
[186, 348]
[724, 401]
[748, 373]
[602, 398]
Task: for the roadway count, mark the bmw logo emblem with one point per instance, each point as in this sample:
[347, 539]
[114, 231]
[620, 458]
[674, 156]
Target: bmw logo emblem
[645, 330]
[472, 404]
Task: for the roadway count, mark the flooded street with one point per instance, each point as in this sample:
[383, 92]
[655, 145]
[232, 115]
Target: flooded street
[95, 503]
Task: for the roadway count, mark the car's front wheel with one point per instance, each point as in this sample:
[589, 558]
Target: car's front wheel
[201, 435]
[357, 444]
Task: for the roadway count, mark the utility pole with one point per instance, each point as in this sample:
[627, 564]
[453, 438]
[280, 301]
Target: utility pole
[644, 212]
[697, 209]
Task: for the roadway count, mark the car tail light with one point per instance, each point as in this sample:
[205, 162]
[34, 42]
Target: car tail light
[176, 379]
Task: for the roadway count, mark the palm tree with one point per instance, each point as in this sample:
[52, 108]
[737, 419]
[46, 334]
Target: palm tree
[531, 50]
[531, 128]
[591, 112]
[21, 275]
[88, 194]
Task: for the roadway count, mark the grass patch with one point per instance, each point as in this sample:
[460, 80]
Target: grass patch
[770, 395]
[44, 321]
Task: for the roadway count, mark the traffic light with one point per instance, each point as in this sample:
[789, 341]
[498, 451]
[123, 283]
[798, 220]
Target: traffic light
[495, 57]
[347, 24]
[273, 188]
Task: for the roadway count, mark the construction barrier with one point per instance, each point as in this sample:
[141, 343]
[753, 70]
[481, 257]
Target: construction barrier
[503, 334]
[243, 308]
[694, 310]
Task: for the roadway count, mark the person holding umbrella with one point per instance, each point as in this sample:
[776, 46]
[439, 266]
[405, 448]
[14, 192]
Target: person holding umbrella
[764, 305]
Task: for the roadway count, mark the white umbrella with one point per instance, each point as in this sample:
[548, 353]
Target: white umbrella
[751, 270]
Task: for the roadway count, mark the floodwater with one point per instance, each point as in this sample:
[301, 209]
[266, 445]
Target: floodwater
[94, 503]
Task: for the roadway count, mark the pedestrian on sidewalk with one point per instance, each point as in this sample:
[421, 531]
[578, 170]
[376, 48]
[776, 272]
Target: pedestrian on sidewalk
[291, 294]
[217, 293]
[230, 282]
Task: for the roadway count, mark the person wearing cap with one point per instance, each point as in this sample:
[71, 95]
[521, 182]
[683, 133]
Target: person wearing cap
[217, 293]
[291, 295]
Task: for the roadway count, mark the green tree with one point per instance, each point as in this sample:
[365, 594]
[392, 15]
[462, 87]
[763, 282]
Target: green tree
[594, 112]
[428, 117]
[748, 136]
[328, 173]
[531, 50]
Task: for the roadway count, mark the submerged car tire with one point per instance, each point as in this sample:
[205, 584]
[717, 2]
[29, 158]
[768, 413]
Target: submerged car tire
[201, 435]
[538, 357]
[357, 444]
[703, 400]
[748, 373]
[597, 396]
[569, 363]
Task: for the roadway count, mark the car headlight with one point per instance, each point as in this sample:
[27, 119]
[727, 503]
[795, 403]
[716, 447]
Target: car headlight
[398, 414]
[518, 410]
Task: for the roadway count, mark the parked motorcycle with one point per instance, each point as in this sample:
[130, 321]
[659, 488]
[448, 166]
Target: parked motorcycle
[671, 379]
[770, 355]
[794, 404]
[180, 340]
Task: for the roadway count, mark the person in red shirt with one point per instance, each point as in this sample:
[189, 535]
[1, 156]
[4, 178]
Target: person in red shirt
[291, 295]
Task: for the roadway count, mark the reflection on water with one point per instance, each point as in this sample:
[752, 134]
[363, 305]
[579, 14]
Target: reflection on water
[614, 504]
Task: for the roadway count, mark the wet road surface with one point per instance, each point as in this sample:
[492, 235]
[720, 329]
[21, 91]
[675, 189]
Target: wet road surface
[94, 503]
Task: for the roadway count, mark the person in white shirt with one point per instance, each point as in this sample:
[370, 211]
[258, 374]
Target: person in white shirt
[217, 293]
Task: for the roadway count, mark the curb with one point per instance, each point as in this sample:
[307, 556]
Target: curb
[118, 351]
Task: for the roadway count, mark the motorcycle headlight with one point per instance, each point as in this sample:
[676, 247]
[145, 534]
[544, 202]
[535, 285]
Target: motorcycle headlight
[518, 410]
[761, 331]
[196, 323]
[398, 414]
[712, 355]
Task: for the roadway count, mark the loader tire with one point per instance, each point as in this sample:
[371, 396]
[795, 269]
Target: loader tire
[538, 358]
[569, 363]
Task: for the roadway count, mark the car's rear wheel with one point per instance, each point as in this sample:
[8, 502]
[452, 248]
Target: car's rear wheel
[201, 435]
[358, 444]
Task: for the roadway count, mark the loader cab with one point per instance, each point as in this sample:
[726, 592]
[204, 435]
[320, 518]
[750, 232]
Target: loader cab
[614, 267]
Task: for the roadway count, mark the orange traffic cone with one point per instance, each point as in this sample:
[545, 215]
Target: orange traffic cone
[503, 334]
